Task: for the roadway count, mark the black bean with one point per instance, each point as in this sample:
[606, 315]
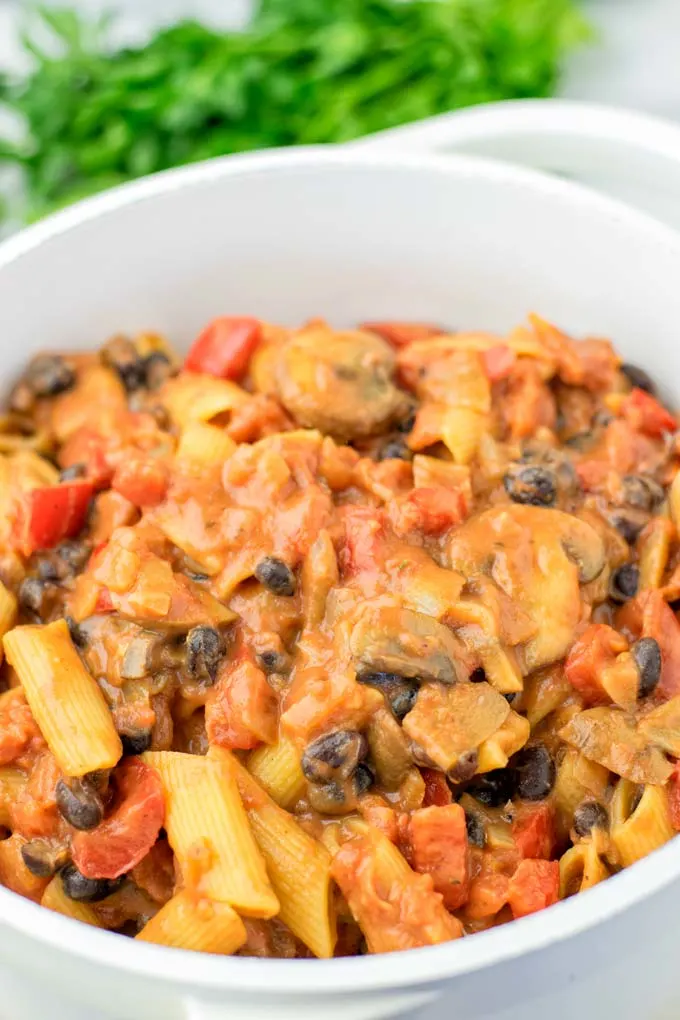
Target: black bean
[624, 582]
[638, 378]
[533, 485]
[276, 575]
[400, 692]
[47, 569]
[362, 779]
[493, 788]
[36, 595]
[395, 449]
[42, 858]
[74, 554]
[79, 803]
[86, 890]
[628, 524]
[122, 355]
[477, 676]
[535, 771]
[641, 492]
[334, 755]
[74, 471]
[48, 374]
[407, 423]
[136, 742]
[647, 658]
[476, 832]
[590, 815]
[272, 661]
[78, 635]
[204, 651]
[464, 768]
[157, 369]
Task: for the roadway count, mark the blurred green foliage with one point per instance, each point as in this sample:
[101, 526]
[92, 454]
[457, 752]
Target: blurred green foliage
[304, 71]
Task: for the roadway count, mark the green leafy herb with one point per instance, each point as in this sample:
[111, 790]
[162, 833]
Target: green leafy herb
[305, 71]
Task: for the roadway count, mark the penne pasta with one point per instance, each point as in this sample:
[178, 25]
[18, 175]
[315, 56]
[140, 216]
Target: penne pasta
[654, 548]
[194, 397]
[190, 922]
[201, 445]
[496, 751]
[208, 829]
[647, 828]
[298, 865]
[462, 429]
[54, 898]
[277, 769]
[581, 868]
[65, 700]
[577, 779]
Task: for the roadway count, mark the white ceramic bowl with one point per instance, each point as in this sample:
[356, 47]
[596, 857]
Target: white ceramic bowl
[353, 235]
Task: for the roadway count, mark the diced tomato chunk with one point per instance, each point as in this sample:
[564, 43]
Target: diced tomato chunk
[141, 480]
[49, 514]
[597, 648]
[129, 831]
[437, 790]
[439, 847]
[660, 622]
[224, 348]
[535, 885]
[646, 414]
[363, 541]
[431, 510]
[499, 362]
[533, 830]
[488, 894]
[242, 709]
[399, 334]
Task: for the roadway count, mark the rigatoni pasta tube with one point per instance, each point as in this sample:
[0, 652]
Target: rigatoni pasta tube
[298, 865]
[646, 829]
[205, 814]
[54, 898]
[65, 700]
[190, 922]
[277, 768]
[581, 867]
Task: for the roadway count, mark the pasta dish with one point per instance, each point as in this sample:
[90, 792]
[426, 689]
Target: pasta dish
[326, 642]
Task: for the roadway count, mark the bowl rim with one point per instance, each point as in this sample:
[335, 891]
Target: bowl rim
[352, 974]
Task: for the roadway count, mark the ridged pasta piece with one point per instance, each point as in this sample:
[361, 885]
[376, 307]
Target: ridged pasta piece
[654, 548]
[201, 445]
[319, 575]
[495, 752]
[193, 397]
[208, 829]
[646, 829]
[581, 867]
[8, 612]
[65, 700]
[190, 922]
[577, 779]
[395, 907]
[12, 782]
[462, 429]
[298, 865]
[277, 769]
[54, 898]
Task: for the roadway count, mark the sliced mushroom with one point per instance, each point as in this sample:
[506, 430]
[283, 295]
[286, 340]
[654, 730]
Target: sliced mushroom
[609, 737]
[661, 726]
[537, 557]
[142, 656]
[390, 639]
[341, 383]
[450, 722]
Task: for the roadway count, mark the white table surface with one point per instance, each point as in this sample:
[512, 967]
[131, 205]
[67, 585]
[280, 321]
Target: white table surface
[635, 63]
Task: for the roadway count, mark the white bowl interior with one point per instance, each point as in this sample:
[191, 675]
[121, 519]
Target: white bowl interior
[349, 236]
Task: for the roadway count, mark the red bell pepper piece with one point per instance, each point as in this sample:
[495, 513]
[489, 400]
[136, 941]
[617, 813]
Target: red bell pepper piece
[400, 334]
[126, 836]
[51, 513]
[225, 347]
[646, 414]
